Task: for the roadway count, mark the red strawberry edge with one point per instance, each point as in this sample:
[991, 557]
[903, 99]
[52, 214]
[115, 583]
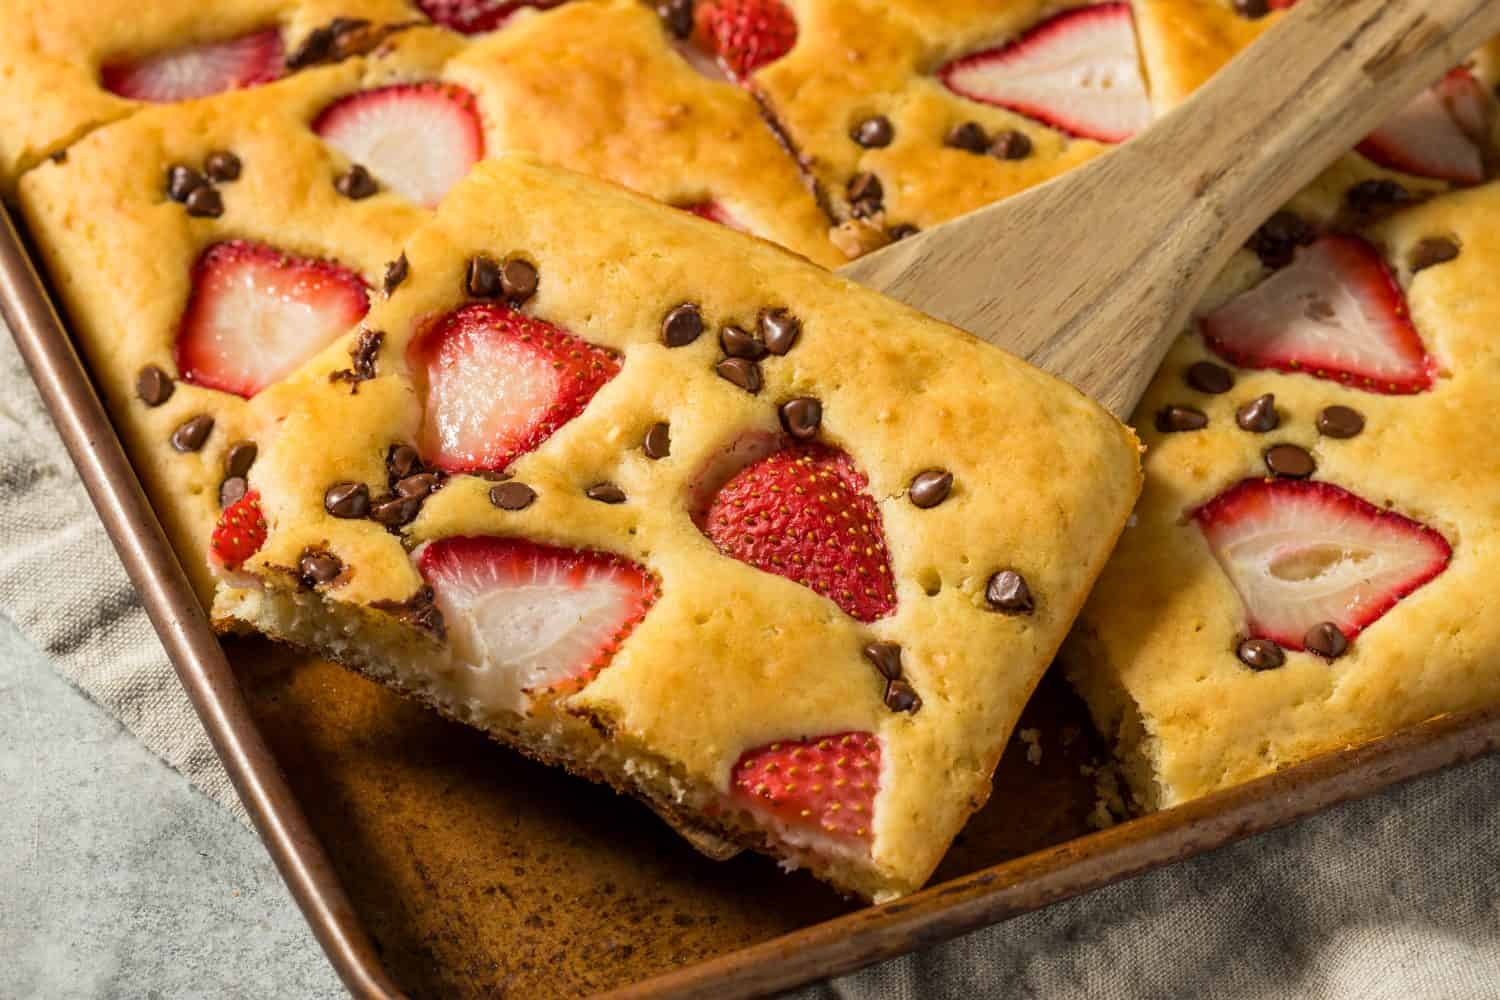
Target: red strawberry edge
[240, 532]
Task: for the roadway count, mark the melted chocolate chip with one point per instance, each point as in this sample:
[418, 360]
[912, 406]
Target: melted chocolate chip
[401, 461]
[204, 203]
[658, 442]
[739, 343]
[886, 656]
[605, 493]
[191, 434]
[418, 485]
[1009, 144]
[743, 373]
[1431, 252]
[1276, 242]
[512, 495]
[395, 511]
[518, 280]
[318, 567]
[395, 273]
[1340, 422]
[1258, 415]
[361, 360]
[419, 610]
[801, 417]
[1252, 9]
[677, 16]
[930, 488]
[483, 278]
[901, 697]
[866, 195]
[1205, 376]
[873, 133]
[1175, 419]
[901, 231]
[1007, 591]
[182, 181]
[1374, 198]
[1288, 461]
[682, 326]
[317, 47]
[232, 490]
[355, 183]
[154, 386]
[779, 330]
[222, 166]
[968, 136]
[1260, 654]
[1326, 640]
[347, 500]
[239, 458]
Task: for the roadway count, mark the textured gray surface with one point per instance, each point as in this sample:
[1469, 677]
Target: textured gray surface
[117, 878]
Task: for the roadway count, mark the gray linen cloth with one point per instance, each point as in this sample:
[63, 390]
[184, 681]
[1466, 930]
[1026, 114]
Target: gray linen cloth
[1387, 899]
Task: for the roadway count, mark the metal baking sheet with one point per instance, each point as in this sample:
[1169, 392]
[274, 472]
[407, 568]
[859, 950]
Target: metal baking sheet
[430, 862]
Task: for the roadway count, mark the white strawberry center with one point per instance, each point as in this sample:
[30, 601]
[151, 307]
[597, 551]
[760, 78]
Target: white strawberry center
[261, 328]
[482, 398]
[417, 140]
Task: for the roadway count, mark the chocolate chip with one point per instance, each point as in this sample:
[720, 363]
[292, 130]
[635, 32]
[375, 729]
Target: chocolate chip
[395, 273]
[1340, 422]
[512, 495]
[518, 280]
[930, 488]
[1253, 9]
[417, 486]
[401, 461]
[677, 15]
[743, 373]
[1288, 461]
[1260, 654]
[1431, 252]
[682, 326]
[239, 458]
[1276, 241]
[318, 567]
[658, 441]
[419, 610]
[865, 194]
[605, 493]
[1009, 144]
[393, 512]
[192, 433]
[1007, 591]
[801, 417]
[183, 181]
[355, 183]
[232, 490]
[1174, 419]
[361, 360]
[1375, 197]
[204, 203]
[1326, 640]
[1205, 376]
[968, 136]
[154, 386]
[222, 166]
[779, 330]
[347, 500]
[355, 36]
[61, 156]
[483, 278]
[900, 697]
[901, 231]
[738, 343]
[1259, 415]
[873, 133]
[887, 658]
[315, 48]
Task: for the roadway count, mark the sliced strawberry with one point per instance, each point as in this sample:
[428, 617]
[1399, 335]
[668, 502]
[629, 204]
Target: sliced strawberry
[713, 211]
[1438, 134]
[530, 618]
[419, 139]
[498, 383]
[1335, 312]
[744, 35]
[240, 532]
[471, 17]
[1301, 553]
[812, 789]
[198, 70]
[256, 313]
[803, 513]
[1078, 71]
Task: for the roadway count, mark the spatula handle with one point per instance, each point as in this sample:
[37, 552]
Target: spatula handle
[1113, 256]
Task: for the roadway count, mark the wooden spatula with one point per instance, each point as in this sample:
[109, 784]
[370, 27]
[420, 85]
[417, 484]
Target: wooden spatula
[1092, 275]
